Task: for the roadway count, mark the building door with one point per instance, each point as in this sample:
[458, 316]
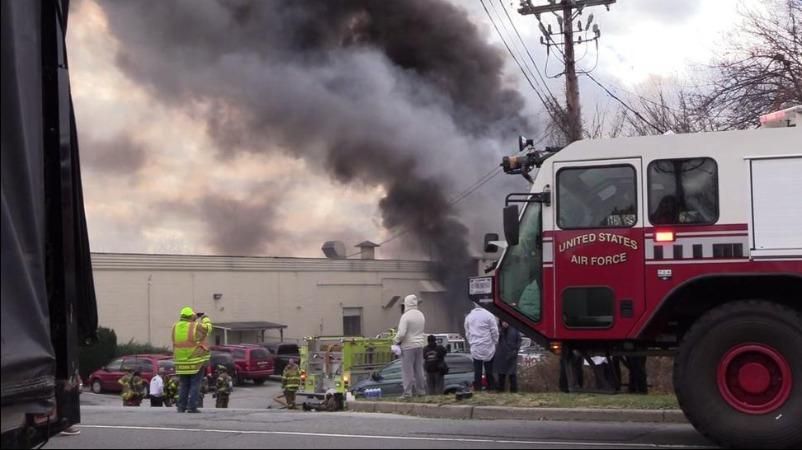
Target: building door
[352, 321]
[598, 244]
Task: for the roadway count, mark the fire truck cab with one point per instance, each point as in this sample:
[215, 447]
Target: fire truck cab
[686, 244]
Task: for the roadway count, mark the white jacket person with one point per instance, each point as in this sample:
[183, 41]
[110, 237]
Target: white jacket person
[481, 332]
[410, 328]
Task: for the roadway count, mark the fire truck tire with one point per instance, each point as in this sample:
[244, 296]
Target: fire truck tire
[738, 375]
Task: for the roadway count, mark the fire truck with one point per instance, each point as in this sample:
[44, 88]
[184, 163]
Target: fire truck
[688, 245]
[332, 364]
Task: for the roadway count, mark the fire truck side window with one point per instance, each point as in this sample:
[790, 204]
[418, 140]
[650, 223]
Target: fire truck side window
[683, 191]
[520, 273]
[597, 197]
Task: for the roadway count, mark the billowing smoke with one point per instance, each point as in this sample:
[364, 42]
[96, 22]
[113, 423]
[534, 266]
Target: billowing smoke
[402, 94]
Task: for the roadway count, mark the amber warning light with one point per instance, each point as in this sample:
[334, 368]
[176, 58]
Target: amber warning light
[664, 236]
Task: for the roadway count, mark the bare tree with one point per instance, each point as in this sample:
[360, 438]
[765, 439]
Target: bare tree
[761, 73]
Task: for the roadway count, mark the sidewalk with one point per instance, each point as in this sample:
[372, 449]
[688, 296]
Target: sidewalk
[503, 412]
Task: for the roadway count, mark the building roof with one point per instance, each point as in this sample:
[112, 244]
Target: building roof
[138, 261]
[244, 326]
[367, 244]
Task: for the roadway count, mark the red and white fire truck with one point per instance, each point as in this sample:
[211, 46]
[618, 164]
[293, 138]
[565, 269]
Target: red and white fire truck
[686, 244]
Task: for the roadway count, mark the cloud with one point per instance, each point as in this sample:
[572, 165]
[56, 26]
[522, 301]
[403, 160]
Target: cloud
[120, 155]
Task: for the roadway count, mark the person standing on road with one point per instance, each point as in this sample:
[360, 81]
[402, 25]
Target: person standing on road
[505, 361]
[410, 339]
[481, 332]
[223, 387]
[290, 380]
[157, 389]
[434, 362]
[171, 390]
[190, 353]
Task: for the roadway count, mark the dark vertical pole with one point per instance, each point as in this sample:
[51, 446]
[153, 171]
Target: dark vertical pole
[571, 83]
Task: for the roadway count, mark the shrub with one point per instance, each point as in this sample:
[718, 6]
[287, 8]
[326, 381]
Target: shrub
[543, 376]
[136, 348]
[98, 354]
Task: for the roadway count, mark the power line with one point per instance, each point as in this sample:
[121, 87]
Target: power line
[518, 63]
[484, 179]
[639, 115]
[611, 94]
[523, 43]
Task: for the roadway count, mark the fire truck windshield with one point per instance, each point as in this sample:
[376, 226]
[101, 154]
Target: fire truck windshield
[520, 271]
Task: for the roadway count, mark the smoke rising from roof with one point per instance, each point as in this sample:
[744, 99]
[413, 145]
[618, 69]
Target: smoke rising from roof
[402, 94]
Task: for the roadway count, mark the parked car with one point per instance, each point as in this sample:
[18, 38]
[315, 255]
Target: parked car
[253, 362]
[282, 352]
[107, 379]
[388, 378]
[220, 358]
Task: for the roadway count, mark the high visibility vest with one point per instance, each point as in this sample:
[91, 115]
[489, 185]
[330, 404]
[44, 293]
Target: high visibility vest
[189, 345]
[291, 379]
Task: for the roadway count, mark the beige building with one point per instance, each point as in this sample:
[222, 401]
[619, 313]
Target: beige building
[139, 296]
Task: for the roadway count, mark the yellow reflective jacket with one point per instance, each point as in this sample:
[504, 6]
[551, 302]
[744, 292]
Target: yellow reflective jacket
[190, 351]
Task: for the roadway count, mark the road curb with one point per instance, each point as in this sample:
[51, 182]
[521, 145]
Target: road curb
[512, 413]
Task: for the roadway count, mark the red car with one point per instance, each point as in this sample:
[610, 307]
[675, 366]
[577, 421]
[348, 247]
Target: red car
[107, 378]
[253, 361]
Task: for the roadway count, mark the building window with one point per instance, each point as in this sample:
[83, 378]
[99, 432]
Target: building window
[588, 307]
[597, 197]
[683, 191]
[352, 321]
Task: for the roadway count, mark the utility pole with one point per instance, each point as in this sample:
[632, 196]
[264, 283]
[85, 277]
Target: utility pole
[571, 9]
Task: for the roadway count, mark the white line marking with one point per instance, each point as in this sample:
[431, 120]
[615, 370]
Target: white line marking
[404, 438]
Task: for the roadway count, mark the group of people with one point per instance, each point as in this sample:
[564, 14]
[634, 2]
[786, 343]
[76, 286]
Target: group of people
[188, 385]
[494, 352]
[166, 392]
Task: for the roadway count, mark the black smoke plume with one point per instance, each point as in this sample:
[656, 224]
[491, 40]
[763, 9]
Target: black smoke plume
[402, 94]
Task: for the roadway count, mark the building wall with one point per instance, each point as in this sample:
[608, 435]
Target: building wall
[139, 296]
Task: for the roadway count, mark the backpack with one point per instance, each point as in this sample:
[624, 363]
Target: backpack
[431, 360]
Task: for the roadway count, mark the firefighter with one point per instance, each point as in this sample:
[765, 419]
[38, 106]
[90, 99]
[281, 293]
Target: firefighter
[204, 389]
[329, 403]
[223, 387]
[290, 380]
[171, 390]
[133, 388]
[190, 353]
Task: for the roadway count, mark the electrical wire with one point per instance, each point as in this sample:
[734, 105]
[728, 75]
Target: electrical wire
[518, 63]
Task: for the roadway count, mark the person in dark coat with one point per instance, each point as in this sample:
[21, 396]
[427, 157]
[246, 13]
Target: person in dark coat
[505, 363]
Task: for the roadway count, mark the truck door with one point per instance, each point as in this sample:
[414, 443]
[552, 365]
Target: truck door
[598, 246]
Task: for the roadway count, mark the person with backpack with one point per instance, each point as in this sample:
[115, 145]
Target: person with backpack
[434, 363]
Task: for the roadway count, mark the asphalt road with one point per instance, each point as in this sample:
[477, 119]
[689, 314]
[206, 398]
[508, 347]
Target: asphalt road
[106, 424]
[247, 396]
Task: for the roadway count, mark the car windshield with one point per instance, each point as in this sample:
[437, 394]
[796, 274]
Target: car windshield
[392, 370]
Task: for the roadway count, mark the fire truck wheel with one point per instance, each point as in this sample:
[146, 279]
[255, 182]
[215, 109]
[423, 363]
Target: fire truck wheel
[738, 375]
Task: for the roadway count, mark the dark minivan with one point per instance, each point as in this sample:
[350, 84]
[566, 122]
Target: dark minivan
[253, 362]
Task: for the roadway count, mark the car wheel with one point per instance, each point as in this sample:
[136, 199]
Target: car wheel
[97, 388]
